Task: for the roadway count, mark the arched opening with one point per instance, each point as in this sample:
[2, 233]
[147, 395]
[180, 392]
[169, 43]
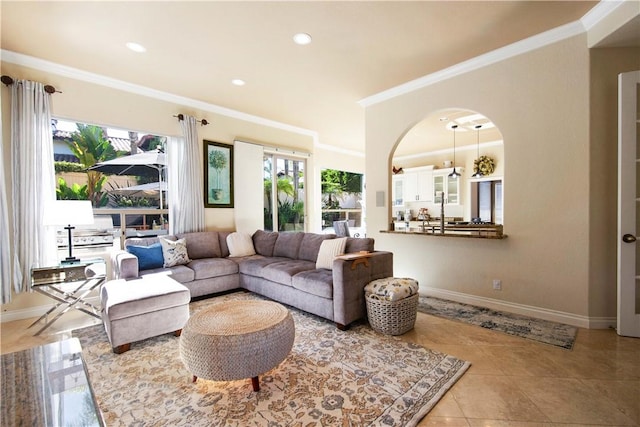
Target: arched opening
[424, 164]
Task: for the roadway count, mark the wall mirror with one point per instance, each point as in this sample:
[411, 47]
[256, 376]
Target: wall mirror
[424, 160]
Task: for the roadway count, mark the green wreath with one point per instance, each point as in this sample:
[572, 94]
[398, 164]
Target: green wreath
[484, 164]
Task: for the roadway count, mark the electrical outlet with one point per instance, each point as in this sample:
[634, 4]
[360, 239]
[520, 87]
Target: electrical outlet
[497, 284]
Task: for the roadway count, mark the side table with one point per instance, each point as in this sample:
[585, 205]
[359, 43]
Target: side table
[69, 285]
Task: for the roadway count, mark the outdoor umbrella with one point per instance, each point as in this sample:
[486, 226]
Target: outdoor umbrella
[151, 189]
[148, 163]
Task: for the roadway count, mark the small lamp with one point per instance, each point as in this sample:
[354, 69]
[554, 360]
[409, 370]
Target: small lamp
[478, 174]
[67, 212]
[454, 174]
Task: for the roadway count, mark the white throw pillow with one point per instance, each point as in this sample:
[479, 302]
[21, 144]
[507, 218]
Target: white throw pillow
[174, 252]
[329, 250]
[240, 244]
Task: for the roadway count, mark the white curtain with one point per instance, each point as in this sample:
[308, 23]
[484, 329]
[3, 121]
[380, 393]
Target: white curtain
[33, 178]
[185, 175]
[5, 255]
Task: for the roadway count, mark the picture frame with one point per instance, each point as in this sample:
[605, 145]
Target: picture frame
[218, 175]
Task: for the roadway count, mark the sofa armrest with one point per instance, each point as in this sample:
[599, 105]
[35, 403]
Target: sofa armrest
[125, 264]
[349, 279]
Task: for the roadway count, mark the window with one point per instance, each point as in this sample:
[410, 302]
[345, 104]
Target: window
[284, 206]
[487, 201]
[78, 146]
[342, 200]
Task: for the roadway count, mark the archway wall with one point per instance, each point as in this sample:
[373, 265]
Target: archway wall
[540, 102]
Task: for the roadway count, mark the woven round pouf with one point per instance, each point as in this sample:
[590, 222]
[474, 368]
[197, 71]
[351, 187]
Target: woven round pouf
[237, 339]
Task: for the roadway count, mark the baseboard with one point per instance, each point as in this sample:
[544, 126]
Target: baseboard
[26, 313]
[522, 309]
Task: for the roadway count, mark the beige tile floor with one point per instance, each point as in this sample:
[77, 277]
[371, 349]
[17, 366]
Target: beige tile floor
[512, 381]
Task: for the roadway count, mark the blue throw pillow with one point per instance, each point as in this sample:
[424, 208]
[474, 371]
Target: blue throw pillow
[148, 256]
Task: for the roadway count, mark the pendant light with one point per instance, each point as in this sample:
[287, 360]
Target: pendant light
[477, 173]
[454, 174]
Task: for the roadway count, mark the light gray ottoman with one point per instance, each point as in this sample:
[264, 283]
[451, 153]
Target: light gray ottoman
[141, 308]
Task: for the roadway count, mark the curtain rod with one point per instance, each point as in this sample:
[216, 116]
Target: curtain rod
[8, 81]
[181, 117]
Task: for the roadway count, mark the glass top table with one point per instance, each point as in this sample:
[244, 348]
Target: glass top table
[48, 386]
[68, 284]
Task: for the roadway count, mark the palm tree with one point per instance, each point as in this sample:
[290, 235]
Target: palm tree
[284, 187]
[90, 146]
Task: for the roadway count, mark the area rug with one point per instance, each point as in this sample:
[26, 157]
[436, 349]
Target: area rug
[356, 377]
[557, 334]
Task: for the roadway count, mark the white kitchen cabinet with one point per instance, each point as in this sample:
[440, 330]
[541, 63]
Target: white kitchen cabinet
[450, 186]
[418, 184]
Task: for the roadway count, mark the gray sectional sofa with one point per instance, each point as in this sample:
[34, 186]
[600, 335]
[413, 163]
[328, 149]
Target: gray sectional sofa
[283, 269]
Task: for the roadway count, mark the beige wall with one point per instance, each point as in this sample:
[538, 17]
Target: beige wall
[540, 103]
[605, 65]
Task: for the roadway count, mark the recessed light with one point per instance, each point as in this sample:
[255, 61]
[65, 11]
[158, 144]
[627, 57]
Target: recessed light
[238, 82]
[302, 38]
[136, 47]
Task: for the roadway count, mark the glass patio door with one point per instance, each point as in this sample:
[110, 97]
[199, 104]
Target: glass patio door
[284, 205]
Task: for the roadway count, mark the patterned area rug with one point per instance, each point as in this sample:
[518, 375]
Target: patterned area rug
[350, 378]
[553, 333]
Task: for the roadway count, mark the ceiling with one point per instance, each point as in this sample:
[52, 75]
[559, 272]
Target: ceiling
[195, 49]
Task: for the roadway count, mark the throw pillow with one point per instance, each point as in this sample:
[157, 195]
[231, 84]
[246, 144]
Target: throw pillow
[174, 252]
[329, 250]
[148, 256]
[240, 244]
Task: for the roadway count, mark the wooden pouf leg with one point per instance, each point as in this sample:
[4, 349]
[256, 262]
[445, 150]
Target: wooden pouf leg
[255, 382]
[194, 379]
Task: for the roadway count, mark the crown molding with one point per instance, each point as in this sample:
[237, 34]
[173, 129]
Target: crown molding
[501, 54]
[340, 150]
[600, 11]
[98, 79]
[470, 147]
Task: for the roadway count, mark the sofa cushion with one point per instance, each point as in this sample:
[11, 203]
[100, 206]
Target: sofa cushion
[282, 272]
[202, 244]
[240, 244]
[222, 239]
[148, 256]
[316, 282]
[288, 244]
[180, 273]
[145, 241]
[174, 252]
[310, 245]
[264, 241]
[253, 265]
[329, 250]
[355, 244]
[212, 267]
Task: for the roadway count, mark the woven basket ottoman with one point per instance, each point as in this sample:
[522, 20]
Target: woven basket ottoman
[392, 304]
[234, 340]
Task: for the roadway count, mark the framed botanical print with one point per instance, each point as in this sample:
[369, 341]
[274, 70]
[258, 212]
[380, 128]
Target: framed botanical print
[218, 175]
